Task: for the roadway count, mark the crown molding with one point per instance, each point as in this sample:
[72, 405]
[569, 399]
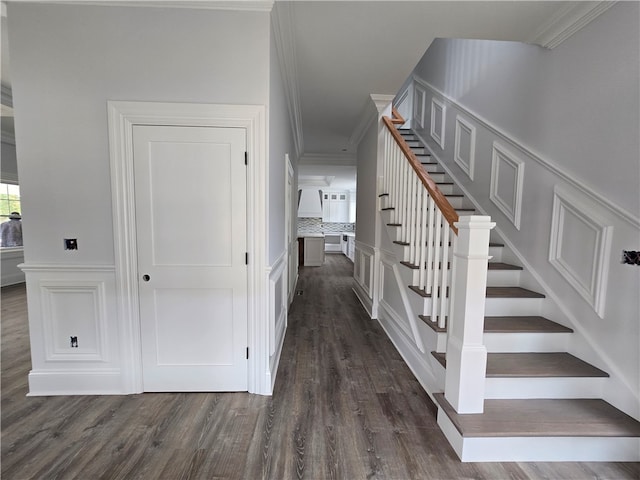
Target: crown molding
[567, 21]
[327, 159]
[282, 21]
[241, 5]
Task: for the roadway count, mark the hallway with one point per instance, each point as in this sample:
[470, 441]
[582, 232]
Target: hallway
[345, 406]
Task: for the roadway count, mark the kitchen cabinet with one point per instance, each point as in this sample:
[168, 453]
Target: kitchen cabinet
[348, 245]
[335, 207]
[313, 255]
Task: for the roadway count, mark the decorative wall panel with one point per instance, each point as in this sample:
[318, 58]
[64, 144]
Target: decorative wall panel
[438, 121]
[419, 106]
[74, 320]
[580, 248]
[507, 179]
[465, 146]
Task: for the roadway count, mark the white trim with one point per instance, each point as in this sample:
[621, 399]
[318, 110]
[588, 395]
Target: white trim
[592, 289]
[122, 117]
[467, 165]
[282, 22]
[366, 117]
[512, 208]
[74, 382]
[567, 21]
[240, 5]
[55, 267]
[548, 164]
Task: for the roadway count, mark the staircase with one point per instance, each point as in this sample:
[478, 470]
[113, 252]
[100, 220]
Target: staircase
[540, 402]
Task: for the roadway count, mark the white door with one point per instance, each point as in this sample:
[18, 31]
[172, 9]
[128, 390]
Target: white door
[190, 191]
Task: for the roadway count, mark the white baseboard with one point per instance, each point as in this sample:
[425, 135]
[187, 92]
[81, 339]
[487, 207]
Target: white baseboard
[78, 382]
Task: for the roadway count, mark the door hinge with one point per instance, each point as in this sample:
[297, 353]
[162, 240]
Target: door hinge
[247, 353]
[246, 258]
[246, 158]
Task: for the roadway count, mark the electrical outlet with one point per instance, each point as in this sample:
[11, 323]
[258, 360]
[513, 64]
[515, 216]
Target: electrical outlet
[631, 257]
[70, 243]
[74, 342]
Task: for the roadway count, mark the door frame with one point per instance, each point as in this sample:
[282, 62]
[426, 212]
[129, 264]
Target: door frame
[122, 117]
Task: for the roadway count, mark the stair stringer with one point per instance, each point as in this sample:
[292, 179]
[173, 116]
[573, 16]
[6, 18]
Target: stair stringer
[581, 343]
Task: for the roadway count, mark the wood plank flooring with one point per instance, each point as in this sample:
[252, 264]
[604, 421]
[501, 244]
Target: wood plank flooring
[345, 406]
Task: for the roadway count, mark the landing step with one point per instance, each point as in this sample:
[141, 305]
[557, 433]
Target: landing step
[492, 292]
[543, 418]
[529, 324]
[555, 364]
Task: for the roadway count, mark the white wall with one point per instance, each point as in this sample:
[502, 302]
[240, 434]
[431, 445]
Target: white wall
[67, 61]
[576, 104]
[366, 177]
[280, 254]
[570, 115]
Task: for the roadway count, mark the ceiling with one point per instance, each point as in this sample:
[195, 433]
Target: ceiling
[335, 54]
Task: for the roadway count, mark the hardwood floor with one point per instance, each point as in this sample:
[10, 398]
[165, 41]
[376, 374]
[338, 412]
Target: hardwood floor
[345, 406]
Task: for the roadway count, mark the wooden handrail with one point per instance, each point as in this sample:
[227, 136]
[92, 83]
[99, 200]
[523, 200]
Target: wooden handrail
[438, 197]
[396, 118]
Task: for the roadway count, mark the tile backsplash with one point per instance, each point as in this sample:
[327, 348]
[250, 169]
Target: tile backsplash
[316, 225]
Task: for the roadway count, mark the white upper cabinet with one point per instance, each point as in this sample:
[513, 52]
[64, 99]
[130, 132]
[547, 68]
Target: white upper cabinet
[335, 207]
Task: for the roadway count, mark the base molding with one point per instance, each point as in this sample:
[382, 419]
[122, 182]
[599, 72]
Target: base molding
[75, 382]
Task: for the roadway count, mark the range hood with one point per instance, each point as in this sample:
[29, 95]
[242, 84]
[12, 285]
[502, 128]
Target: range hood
[310, 202]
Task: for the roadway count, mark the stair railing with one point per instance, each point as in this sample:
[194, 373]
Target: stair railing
[427, 224]
[425, 218]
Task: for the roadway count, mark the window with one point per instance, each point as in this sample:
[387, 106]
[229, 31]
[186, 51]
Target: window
[11, 233]
[9, 200]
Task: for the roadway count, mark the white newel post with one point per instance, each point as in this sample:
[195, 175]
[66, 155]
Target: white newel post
[466, 353]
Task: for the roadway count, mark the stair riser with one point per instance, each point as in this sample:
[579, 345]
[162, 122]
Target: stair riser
[526, 342]
[503, 278]
[496, 253]
[494, 307]
[539, 449]
[554, 387]
[498, 307]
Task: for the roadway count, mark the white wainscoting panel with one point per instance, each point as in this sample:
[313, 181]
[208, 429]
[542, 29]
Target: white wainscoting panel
[363, 268]
[438, 121]
[77, 310]
[579, 247]
[67, 301]
[419, 101]
[278, 307]
[465, 146]
[507, 180]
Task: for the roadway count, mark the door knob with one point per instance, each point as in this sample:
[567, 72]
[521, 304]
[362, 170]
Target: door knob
[146, 278]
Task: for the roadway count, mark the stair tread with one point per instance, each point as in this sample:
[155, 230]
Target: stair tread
[502, 266]
[535, 365]
[526, 324]
[493, 292]
[543, 418]
[512, 292]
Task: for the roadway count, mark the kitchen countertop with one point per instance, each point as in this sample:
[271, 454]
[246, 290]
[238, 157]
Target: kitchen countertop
[310, 235]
